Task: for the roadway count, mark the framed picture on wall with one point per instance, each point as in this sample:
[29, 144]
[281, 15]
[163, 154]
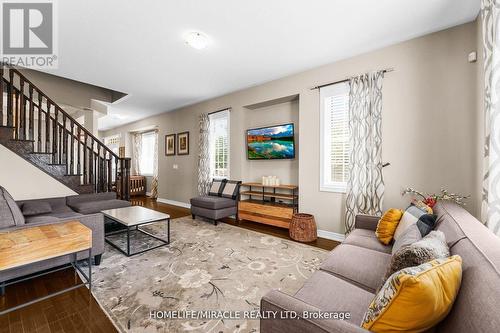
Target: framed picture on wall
[170, 145]
[183, 143]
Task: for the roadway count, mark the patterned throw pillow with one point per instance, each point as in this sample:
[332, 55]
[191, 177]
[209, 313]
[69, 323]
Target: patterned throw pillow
[409, 236]
[415, 299]
[217, 187]
[387, 225]
[231, 189]
[415, 216]
[433, 246]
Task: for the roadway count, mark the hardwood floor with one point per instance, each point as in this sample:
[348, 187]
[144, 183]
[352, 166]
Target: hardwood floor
[176, 212]
[77, 310]
[73, 311]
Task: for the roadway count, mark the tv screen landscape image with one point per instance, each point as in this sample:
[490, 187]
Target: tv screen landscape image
[268, 143]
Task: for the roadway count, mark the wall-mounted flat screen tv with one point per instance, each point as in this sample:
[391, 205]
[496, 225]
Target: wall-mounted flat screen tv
[270, 143]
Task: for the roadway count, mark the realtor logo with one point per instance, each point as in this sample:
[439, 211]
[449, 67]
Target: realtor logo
[28, 34]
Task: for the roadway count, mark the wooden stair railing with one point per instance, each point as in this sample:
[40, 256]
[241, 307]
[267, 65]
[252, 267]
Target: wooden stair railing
[33, 116]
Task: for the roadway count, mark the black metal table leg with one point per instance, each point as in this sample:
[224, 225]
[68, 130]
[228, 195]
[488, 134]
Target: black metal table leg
[168, 230]
[128, 241]
[90, 270]
[73, 263]
[137, 228]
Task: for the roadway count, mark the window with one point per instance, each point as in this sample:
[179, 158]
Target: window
[219, 144]
[334, 142]
[146, 161]
[113, 143]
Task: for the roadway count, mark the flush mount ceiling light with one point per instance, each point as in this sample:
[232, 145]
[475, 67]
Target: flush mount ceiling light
[196, 40]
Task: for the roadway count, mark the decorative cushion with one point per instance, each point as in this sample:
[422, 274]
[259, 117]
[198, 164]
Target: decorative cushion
[366, 239]
[31, 208]
[10, 214]
[415, 299]
[217, 187]
[433, 246]
[231, 189]
[387, 225]
[414, 215]
[211, 202]
[41, 219]
[92, 207]
[409, 236]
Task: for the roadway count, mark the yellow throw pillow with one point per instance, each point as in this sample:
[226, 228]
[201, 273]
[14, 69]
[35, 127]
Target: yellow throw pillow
[387, 225]
[415, 299]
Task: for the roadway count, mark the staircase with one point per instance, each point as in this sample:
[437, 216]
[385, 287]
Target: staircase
[37, 129]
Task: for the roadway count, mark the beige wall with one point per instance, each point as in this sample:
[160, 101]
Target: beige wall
[282, 113]
[25, 181]
[430, 125]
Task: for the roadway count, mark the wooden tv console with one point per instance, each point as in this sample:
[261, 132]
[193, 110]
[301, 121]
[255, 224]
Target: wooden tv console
[268, 204]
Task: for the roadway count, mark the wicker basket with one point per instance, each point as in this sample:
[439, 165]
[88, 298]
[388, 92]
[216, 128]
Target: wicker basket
[303, 228]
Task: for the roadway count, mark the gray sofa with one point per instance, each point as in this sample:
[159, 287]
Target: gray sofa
[27, 213]
[348, 279]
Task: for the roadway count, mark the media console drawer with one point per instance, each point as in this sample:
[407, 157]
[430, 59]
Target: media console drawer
[267, 209]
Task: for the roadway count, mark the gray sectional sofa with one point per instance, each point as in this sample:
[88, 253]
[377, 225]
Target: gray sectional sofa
[27, 213]
[348, 279]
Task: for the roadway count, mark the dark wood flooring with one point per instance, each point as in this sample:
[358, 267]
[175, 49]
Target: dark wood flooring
[77, 310]
[322, 243]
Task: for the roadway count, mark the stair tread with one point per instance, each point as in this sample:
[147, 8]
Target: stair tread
[44, 153]
[56, 163]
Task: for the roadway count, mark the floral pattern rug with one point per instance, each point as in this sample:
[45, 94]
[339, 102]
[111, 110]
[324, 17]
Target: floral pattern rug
[204, 268]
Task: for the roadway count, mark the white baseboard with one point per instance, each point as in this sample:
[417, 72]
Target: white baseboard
[174, 203]
[331, 235]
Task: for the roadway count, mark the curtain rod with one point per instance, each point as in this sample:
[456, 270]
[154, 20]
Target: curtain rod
[221, 110]
[387, 70]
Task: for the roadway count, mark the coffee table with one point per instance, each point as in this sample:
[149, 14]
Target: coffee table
[131, 218]
[31, 245]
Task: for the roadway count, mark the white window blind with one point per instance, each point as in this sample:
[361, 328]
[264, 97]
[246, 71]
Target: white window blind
[219, 144]
[147, 153]
[334, 137]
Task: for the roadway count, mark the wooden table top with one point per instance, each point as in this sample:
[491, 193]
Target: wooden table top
[29, 245]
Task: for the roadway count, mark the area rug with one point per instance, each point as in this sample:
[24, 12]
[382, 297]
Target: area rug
[205, 268]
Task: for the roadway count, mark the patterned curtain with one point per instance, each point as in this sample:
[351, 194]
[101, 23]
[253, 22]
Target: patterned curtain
[365, 187]
[154, 181]
[136, 153]
[490, 16]
[204, 155]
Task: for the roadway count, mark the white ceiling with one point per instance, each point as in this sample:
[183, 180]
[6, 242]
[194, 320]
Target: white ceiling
[136, 46]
